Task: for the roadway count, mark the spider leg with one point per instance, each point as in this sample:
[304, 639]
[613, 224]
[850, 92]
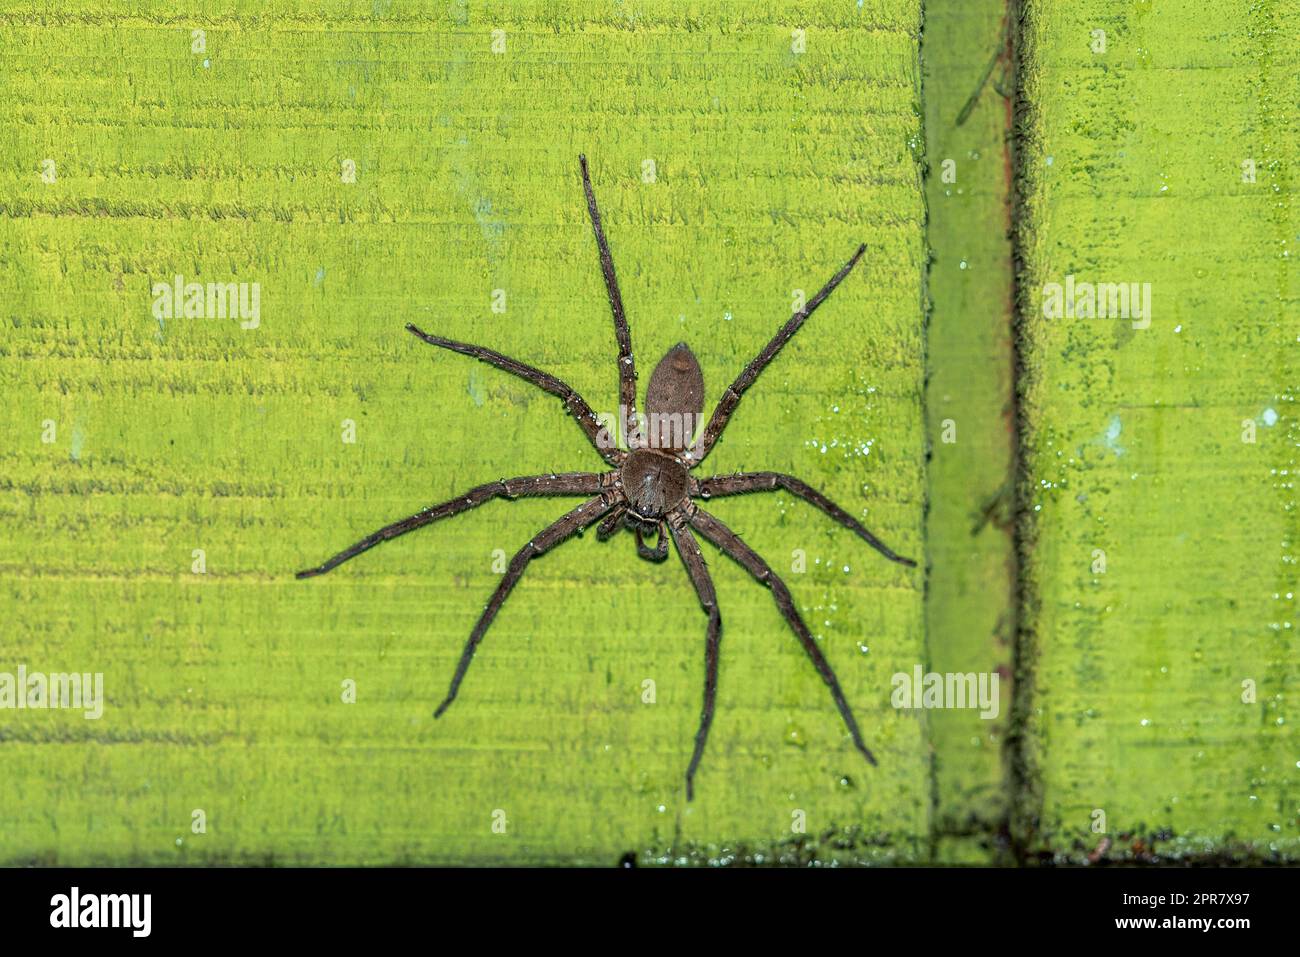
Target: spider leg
[564, 483]
[731, 543]
[741, 482]
[731, 398]
[656, 554]
[626, 365]
[555, 533]
[689, 550]
[575, 404]
[610, 524]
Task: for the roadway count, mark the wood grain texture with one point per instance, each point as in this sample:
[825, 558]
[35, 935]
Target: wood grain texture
[226, 165]
[970, 611]
[1133, 172]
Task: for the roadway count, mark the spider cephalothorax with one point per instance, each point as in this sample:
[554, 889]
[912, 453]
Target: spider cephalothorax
[654, 484]
[650, 489]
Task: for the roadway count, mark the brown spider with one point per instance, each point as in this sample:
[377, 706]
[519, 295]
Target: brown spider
[650, 487]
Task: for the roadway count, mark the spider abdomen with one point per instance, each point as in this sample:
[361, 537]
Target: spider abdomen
[653, 482]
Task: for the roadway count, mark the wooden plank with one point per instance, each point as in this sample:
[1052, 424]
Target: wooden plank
[1164, 445]
[174, 434]
[970, 612]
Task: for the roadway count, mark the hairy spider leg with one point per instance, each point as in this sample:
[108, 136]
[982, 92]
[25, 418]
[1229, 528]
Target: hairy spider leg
[609, 525]
[731, 544]
[555, 533]
[741, 482]
[575, 404]
[626, 364]
[561, 483]
[689, 550]
[731, 398]
[659, 552]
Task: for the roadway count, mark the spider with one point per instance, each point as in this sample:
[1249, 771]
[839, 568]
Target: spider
[649, 489]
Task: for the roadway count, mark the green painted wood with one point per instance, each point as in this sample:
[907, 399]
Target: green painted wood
[224, 689]
[970, 611]
[1165, 444]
